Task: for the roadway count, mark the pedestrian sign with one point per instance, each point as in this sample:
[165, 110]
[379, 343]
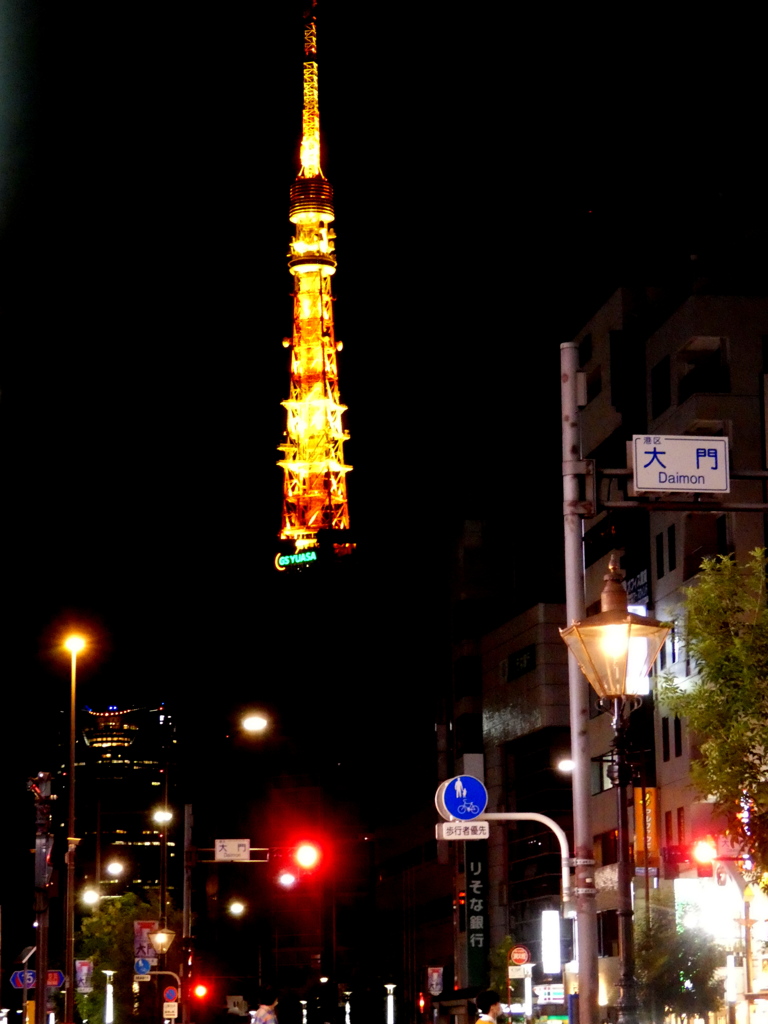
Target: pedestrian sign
[463, 797]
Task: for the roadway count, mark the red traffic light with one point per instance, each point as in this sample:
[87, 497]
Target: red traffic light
[200, 991]
[307, 855]
[704, 853]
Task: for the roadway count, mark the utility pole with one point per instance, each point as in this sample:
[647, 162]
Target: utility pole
[574, 509]
[40, 787]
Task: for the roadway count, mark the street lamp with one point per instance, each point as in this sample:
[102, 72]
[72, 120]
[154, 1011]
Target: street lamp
[162, 817]
[254, 722]
[74, 644]
[109, 1003]
[615, 649]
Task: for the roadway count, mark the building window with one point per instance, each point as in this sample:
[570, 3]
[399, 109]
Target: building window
[661, 387]
[607, 933]
[705, 534]
[671, 548]
[681, 826]
[704, 368]
[607, 848]
[659, 555]
[669, 836]
[600, 778]
[665, 739]
[678, 737]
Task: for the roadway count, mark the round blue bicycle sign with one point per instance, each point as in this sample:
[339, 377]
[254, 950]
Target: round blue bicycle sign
[461, 798]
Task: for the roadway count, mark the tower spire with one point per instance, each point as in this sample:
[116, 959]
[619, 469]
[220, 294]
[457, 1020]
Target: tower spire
[314, 485]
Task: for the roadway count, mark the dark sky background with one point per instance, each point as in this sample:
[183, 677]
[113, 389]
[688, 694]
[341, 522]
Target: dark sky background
[498, 173]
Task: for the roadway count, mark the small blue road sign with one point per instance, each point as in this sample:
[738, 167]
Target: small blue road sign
[170, 994]
[463, 798]
[18, 979]
[142, 966]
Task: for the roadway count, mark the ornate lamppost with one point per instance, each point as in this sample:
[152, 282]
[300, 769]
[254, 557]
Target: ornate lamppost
[615, 648]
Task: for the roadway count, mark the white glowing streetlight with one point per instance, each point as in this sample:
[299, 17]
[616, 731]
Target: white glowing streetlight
[237, 908]
[90, 897]
[254, 722]
[109, 1002]
[115, 868]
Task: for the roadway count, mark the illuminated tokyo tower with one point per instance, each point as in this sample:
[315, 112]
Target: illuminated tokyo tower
[314, 486]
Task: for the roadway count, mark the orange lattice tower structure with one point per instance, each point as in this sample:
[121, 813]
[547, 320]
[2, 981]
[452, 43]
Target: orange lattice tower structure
[314, 487]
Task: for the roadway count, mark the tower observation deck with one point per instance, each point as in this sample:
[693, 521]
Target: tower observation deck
[314, 486]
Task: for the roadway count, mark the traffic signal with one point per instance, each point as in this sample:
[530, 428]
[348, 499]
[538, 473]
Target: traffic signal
[704, 854]
[296, 861]
[200, 991]
[307, 855]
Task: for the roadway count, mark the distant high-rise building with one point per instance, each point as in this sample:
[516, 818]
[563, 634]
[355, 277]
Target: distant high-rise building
[125, 762]
[314, 489]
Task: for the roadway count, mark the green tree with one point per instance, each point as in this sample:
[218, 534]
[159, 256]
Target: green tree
[106, 936]
[676, 971]
[726, 634]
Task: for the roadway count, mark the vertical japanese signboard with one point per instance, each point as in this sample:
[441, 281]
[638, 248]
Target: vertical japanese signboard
[476, 861]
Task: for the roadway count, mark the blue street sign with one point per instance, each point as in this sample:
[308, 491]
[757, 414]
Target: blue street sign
[463, 797]
[142, 966]
[171, 994]
[17, 979]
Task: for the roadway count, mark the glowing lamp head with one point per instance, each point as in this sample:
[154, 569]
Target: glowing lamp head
[162, 816]
[615, 648]
[115, 868]
[74, 644]
[200, 991]
[90, 897]
[255, 723]
[287, 879]
[307, 855]
[704, 851]
[236, 908]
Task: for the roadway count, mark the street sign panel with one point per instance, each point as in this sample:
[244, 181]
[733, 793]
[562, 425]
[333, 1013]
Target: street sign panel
[141, 966]
[672, 462]
[170, 994]
[54, 979]
[519, 955]
[463, 797]
[170, 1010]
[519, 971]
[18, 979]
[460, 830]
[232, 849]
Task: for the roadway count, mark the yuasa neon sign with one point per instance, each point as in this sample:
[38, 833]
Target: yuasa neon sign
[282, 562]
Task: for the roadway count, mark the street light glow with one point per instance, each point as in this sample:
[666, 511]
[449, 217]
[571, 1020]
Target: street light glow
[74, 644]
[255, 723]
[287, 879]
[237, 908]
[162, 816]
[90, 897]
[115, 868]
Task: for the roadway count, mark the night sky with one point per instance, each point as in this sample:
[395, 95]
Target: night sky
[497, 176]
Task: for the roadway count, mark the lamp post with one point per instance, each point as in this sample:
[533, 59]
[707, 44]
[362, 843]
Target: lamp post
[109, 1003]
[74, 644]
[614, 648]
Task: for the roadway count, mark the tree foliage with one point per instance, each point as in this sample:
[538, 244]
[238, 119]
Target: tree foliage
[726, 634]
[106, 936]
[676, 971]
